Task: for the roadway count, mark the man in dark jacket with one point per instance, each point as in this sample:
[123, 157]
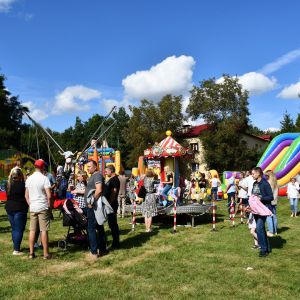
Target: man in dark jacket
[263, 190]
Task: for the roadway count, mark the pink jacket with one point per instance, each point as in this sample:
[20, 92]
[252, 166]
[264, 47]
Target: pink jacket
[257, 207]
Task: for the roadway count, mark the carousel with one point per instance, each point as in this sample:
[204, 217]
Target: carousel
[161, 157]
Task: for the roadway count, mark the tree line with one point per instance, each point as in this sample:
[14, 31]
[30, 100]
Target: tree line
[223, 105]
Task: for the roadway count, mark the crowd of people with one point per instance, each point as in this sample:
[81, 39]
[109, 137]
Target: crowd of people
[35, 193]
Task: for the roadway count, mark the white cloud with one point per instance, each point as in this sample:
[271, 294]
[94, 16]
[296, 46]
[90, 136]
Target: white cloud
[36, 113]
[271, 129]
[171, 76]
[290, 92]
[72, 99]
[255, 83]
[280, 62]
[108, 104]
[5, 5]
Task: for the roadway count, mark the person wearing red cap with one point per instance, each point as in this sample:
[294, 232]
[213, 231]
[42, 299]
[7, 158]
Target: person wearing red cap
[38, 196]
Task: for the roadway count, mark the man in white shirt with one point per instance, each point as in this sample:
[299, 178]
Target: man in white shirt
[38, 196]
[248, 183]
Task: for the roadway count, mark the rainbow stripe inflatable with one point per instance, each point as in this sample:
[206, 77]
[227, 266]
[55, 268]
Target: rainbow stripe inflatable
[283, 157]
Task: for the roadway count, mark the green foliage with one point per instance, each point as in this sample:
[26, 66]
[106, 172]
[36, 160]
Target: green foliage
[149, 123]
[225, 107]
[297, 123]
[10, 118]
[287, 123]
[217, 102]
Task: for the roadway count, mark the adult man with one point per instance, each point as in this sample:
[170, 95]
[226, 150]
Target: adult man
[248, 183]
[95, 182]
[111, 191]
[231, 190]
[122, 194]
[263, 190]
[38, 197]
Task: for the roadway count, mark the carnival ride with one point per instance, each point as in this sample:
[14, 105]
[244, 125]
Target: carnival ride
[282, 156]
[167, 153]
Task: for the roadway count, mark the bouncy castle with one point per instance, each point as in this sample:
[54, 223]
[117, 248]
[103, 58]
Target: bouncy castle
[282, 157]
[105, 156]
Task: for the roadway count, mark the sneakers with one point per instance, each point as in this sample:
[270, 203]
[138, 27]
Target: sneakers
[15, 252]
[270, 234]
[92, 257]
[255, 247]
[49, 256]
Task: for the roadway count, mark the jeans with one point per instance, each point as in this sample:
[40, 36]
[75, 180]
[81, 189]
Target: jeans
[262, 234]
[214, 193]
[18, 221]
[165, 191]
[96, 233]
[272, 220]
[294, 205]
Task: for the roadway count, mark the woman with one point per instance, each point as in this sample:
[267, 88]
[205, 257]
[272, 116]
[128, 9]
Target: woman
[16, 208]
[293, 195]
[168, 183]
[262, 189]
[149, 205]
[272, 220]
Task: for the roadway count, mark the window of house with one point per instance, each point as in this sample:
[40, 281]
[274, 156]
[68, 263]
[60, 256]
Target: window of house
[194, 147]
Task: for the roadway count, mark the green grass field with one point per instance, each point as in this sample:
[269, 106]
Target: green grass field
[195, 263]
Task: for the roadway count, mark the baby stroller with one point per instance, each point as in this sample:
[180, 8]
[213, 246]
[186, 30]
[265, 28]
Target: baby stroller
[74, 218]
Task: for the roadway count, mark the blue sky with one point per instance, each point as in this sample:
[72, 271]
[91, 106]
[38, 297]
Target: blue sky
[68, 58]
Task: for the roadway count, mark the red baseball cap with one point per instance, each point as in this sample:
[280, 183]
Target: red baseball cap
[40, 164]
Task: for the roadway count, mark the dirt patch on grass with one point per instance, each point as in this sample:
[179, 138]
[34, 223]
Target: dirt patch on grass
[144, 255]
[60, 268]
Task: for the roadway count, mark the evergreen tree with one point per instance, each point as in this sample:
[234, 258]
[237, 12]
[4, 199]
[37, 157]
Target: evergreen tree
[287, 123]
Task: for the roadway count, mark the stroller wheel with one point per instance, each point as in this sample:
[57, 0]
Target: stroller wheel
[62, 244]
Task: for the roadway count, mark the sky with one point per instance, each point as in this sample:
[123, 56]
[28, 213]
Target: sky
[77, 58]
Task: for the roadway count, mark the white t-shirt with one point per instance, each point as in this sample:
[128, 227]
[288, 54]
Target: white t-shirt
[36, 185]
[242, 192]
[292, 190]
[214, 182]
[248, 183]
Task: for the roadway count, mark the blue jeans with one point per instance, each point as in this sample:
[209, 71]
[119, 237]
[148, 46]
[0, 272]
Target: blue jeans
[17, 221]
[294, 205]
[214, 193]
[96, 233]
[165, 191]
[262, 234]
[272, 220]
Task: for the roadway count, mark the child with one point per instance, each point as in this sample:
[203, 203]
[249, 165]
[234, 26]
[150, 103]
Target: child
[293, 195]
[252, 226]
[78, 193]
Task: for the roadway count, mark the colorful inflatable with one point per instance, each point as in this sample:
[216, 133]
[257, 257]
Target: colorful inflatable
[282, 157]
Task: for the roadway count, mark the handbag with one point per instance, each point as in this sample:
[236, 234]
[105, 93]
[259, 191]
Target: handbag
[142, 192]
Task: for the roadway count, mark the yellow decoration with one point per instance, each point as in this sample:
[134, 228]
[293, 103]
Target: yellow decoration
[168, 133]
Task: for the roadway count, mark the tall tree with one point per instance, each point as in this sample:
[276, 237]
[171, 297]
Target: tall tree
[287, 123]
[297, 123]
[149, 122]
[10, 118]
[224, 106]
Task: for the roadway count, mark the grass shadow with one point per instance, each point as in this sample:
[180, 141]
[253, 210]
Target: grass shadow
[282, 229]
[137, 240]
[277, 242]
[5, 229]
